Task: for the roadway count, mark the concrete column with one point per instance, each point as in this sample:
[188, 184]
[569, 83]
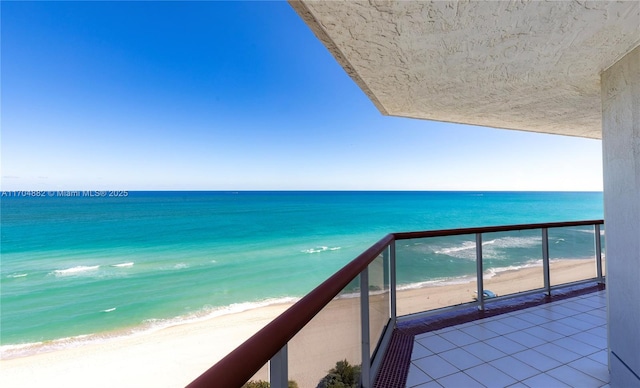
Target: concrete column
[621, 158]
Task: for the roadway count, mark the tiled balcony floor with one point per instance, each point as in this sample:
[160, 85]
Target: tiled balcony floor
[559, 344]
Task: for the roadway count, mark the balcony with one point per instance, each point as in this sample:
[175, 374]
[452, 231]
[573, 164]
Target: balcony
[386, 312]
[559, 344]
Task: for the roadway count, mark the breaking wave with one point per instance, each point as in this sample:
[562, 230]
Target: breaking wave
[320, 249]
[124, 265]
[491, 248]
[17, 275]
[75, 270]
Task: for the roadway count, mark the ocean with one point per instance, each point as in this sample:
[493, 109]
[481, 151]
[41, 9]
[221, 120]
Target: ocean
[81, 266]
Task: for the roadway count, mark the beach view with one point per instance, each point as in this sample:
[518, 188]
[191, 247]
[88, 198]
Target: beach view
[110, 282]
[175, 175]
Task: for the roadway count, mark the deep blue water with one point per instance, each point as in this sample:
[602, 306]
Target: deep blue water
[80, 265]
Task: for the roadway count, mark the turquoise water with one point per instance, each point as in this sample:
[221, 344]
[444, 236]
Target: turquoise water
[75, 266]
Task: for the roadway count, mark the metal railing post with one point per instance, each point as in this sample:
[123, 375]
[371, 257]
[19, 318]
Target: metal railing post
[279, 369]
[479, 266]
[365, 368]
[545, 261]
[598, 244]
[392, 280]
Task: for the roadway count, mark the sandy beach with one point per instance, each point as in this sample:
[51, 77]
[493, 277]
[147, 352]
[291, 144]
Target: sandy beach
[174, 356]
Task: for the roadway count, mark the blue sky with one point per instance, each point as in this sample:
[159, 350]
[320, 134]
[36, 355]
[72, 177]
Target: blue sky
[230, 96]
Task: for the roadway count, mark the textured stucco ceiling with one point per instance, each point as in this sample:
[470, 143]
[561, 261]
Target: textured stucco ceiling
[531, 66]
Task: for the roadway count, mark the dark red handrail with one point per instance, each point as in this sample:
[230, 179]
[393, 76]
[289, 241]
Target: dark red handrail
[241, 364]
[491, 229]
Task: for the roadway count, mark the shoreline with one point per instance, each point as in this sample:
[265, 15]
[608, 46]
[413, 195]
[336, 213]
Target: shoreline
[28, 349]
[177, 354]
[21, 350]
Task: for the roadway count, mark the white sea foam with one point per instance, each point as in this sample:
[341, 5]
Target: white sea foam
[209, 312]
[320, 249]
[181, 266]
[491, 272]
[108, 310]
[31, 348]
[515, 242]
[488, 274]
[19, 350]
[491, 248]
[17, 275]
[123, 265]
[589, 231]
[465, 246]
[75, 270]
[437, 282]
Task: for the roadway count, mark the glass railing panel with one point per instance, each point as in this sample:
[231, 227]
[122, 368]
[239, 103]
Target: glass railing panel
[571, 254]
[435, 272]
[379, 299]
[512, 262]
[333, 335]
